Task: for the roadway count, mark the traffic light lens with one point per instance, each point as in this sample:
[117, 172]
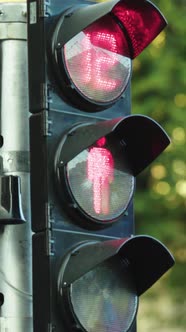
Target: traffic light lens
[96, 63]
[108, 293]
[99, 182]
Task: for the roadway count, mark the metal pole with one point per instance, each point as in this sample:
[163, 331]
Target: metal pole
[15, 239]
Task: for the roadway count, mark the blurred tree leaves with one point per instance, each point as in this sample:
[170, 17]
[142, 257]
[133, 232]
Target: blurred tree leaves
[158, 90]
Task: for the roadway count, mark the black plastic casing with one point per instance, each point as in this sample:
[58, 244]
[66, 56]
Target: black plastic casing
[55, 231]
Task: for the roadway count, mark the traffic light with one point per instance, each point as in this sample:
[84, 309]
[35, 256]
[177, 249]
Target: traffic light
[86, 150]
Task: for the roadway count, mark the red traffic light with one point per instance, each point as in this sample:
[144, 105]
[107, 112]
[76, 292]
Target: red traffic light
[95, 165]
[96, 62]
[92, 48]
[100, 182]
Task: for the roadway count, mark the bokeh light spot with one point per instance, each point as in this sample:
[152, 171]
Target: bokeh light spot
[158, 172]
[181, 188]
[180, 100]
[162, 188]
[179, 167]
[178, 134]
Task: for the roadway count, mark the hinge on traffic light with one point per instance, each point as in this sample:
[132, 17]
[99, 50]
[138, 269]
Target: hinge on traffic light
[44, 8]
[51, 327]
[46, 124]
[44, 94]
[48, 213]
[50, 244]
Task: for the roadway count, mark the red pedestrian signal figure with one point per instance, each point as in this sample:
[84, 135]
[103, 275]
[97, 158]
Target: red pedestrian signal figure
[100, 171]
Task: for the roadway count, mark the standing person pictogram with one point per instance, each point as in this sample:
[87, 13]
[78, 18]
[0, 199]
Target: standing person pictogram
[101, 174]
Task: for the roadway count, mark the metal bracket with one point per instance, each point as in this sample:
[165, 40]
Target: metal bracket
[13, 19]
[13, 12]
[10, 201]
[13, 31]
[13, 161]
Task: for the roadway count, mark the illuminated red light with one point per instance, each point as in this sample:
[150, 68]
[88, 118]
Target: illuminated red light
[99, 181]
[96, 61]
[100, 172]
[93, 49]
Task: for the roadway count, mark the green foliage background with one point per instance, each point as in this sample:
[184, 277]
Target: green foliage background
[158, 90]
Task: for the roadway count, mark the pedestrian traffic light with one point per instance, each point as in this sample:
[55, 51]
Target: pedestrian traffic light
[95, 165]
[89, 48]
[86, 150]
[92, 48]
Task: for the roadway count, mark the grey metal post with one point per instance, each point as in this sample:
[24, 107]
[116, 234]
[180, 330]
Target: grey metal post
[15, 240]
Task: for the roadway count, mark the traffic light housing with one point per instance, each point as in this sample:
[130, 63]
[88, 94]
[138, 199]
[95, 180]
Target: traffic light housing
[86, 150]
